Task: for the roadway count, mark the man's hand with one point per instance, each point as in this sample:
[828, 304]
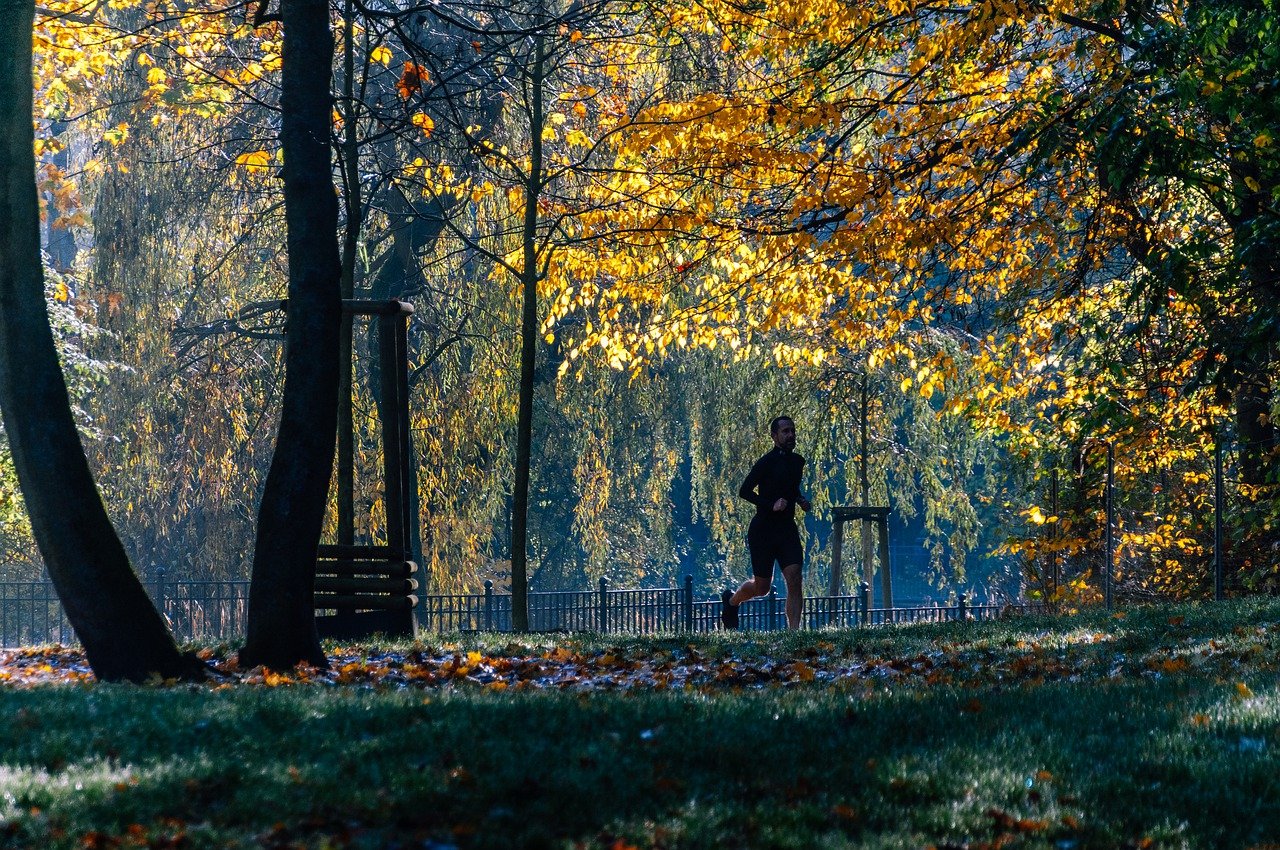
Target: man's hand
[780, 505]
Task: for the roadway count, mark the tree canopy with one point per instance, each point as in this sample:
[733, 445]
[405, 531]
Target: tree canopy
[632, 232]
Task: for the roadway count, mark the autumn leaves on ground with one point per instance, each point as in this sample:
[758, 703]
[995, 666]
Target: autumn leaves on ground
[1155, 727]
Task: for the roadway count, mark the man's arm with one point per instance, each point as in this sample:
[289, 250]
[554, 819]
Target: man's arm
[748, 488]
[800, 499]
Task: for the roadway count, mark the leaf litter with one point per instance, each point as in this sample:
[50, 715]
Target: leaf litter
[1075, 657]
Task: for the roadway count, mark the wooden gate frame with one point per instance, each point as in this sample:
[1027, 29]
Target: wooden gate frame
[869, 515]
[370, 587]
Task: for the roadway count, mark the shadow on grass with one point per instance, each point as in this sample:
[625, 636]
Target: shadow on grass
[1183, 761]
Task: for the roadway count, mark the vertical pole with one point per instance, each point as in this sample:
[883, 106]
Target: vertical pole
[392, 443]
[688, 603]
[1053, 536]
[864, 481]
[1108, 568]
[886, 576]
[773, 608]
[488, 605]
[1219, 568]
[604, 604]
[837, 556]
[962, 607]
[864, 602]
[408, 463]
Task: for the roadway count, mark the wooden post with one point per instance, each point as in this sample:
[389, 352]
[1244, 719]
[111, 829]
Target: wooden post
[837, 547]
[864, 602]
[688, 603]
[488, 605]
[886, 575]
[868, 558]
[393, 443]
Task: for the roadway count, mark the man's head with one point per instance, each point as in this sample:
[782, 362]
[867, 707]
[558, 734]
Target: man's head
[783, 431]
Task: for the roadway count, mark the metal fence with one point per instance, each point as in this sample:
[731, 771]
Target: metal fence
[30, 613]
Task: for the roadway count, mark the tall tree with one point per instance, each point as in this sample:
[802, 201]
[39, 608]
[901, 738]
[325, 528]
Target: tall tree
[123, 635]
[281, 622]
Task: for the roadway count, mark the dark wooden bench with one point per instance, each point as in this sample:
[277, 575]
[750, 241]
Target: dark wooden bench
[361, 590]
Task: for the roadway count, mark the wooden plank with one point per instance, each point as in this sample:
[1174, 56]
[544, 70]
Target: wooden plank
[361, 601]
[390, 569]
[332, 584]
[360, 552]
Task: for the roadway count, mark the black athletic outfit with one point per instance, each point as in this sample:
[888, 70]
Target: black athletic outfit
[772, 535]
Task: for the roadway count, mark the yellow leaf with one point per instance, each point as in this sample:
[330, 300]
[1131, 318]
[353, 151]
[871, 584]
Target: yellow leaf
[575, 36]
[254, 160]
[1243, 691]
[422, 120]
[156, 75]
[381, 54]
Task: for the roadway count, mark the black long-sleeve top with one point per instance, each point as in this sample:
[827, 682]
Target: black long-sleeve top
[774, 476]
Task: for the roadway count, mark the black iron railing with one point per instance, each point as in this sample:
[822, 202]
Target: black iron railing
[30, 613]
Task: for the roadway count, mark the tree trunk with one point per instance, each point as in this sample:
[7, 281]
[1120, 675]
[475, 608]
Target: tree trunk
[528, 356]
[122, 634]
[281, 622]
[354, 208]
[1257, 432]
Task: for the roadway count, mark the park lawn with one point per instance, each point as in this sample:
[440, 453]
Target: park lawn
[1156, 728]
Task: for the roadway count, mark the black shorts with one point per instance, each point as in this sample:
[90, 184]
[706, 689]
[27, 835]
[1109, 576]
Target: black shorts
[769, 542]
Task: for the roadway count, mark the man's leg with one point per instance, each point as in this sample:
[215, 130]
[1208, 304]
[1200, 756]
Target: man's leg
[795, 594]
[750, 589]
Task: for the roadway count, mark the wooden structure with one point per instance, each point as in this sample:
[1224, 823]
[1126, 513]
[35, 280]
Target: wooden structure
[868, 515]
[362, 589]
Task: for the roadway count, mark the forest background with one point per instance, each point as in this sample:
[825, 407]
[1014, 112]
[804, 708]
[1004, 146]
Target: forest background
[1002, 233]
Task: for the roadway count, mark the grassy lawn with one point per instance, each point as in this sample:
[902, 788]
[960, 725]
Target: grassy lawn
[1159, 728]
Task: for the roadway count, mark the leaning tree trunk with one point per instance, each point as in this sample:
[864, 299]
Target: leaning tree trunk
[122, 634]
[281, 622]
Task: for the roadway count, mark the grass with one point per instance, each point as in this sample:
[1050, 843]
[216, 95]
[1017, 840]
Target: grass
[1157, 729]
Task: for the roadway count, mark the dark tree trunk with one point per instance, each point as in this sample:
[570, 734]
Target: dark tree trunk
[122, 634]
[528, 356]
[1257, 433]
[281, 622]
[354, 208]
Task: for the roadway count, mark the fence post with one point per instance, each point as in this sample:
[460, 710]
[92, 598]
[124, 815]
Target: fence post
[688, 603]
[864, 602]
[773, 608]
[488, 605]
[1219, 569]
[604, 604]
[962, 606]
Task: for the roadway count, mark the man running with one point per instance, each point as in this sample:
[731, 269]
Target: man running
[773, 486]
